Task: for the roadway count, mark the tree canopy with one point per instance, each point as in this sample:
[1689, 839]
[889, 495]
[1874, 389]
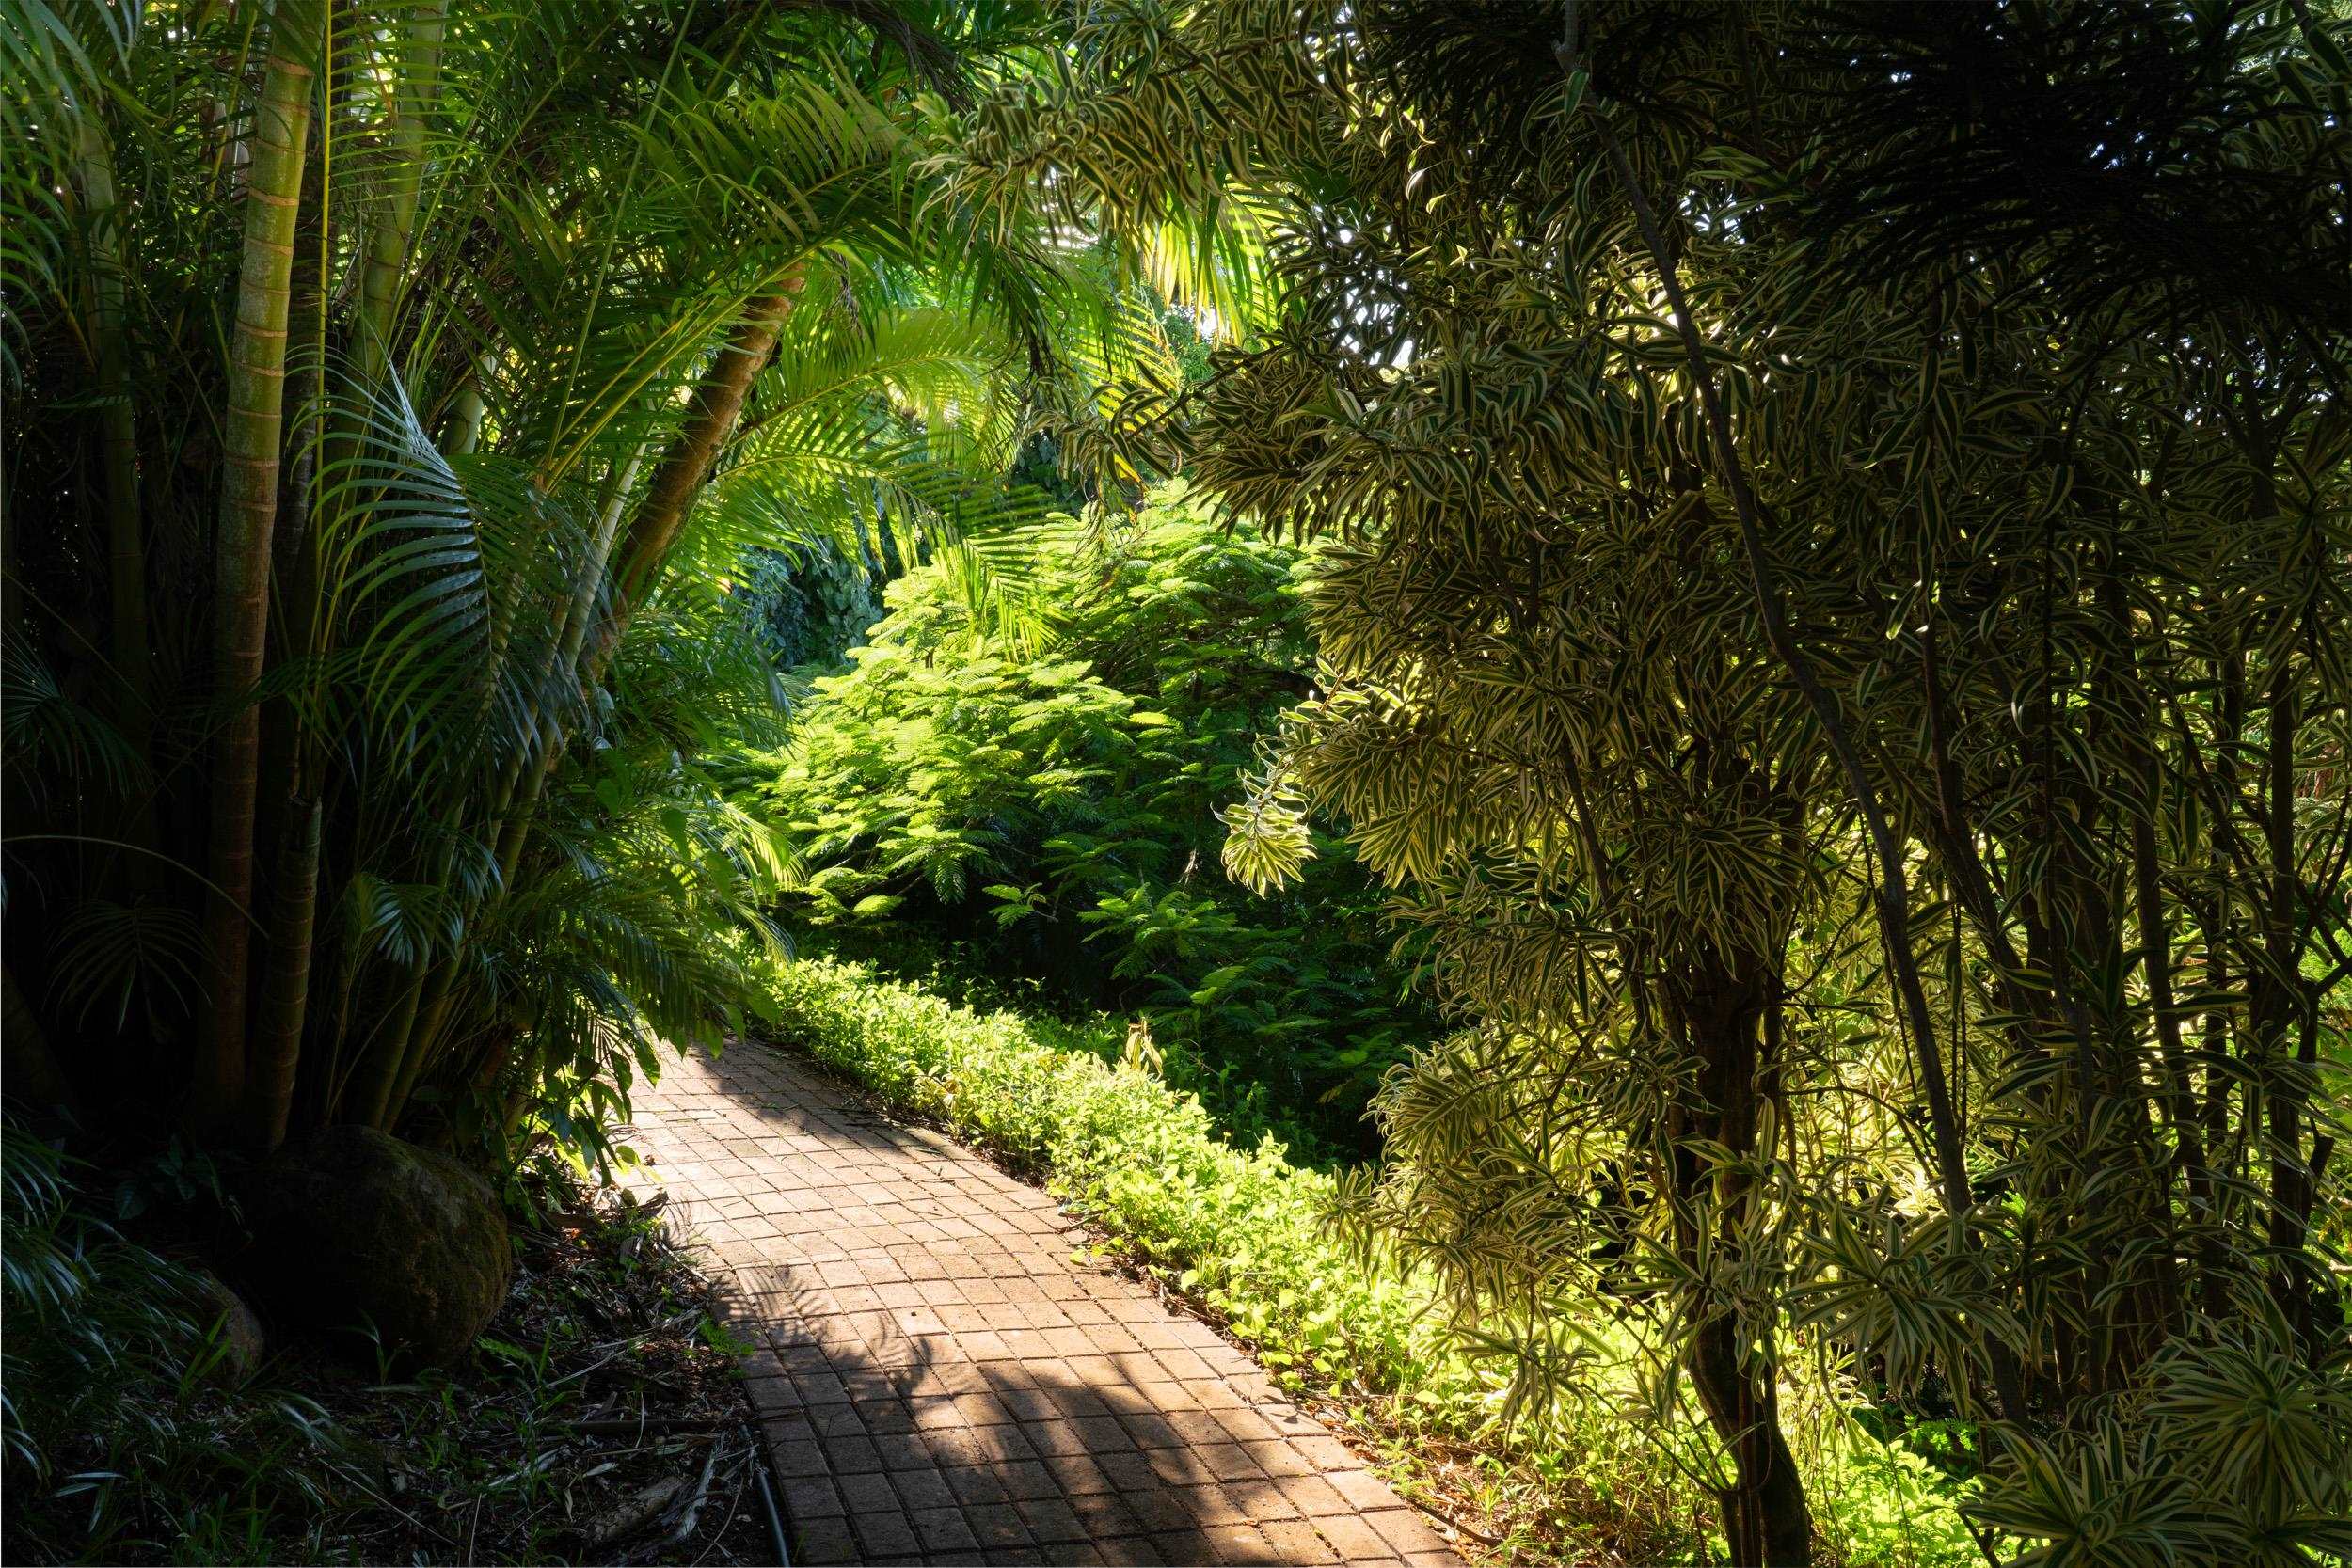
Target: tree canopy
[395, 397]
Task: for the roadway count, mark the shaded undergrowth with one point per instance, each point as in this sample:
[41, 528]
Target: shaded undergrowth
[597, 1419]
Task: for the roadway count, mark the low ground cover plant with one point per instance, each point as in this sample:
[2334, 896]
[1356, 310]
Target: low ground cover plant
[1246, 1232]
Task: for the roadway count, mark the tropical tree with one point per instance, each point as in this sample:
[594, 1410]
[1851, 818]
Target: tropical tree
[396, 396]
[1841, 633]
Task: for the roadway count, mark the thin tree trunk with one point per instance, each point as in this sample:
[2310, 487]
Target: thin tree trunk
[2277, 1002]
[1893, 901]
[464, 426]
[431, 1019]
[519, 791]
[1720, 1011]
[286, 986]
[364, 1102]
[388, 242]
[253, 434]
[1767, 1521]
[687, 465]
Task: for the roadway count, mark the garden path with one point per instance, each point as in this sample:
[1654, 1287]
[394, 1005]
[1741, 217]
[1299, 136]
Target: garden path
[941, 1380]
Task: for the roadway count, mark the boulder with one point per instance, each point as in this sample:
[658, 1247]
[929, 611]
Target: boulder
[354, 1227]
[236, 1330]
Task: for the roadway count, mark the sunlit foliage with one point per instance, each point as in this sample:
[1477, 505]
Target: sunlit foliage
[1037, 775]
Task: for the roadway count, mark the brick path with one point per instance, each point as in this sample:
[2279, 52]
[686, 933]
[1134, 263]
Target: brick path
[941, 1382]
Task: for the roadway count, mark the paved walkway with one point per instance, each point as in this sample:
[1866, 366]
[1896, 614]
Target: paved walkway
[942, 1382]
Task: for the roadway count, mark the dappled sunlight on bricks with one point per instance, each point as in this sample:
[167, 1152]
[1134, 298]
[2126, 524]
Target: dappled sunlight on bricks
[940, 1381]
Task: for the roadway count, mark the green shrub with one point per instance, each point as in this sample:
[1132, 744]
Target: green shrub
[1042, 791]
[129, 1433]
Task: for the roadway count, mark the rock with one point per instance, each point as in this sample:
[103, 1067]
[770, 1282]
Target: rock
[354, 1227]
[242, 1343]
[630, 1513]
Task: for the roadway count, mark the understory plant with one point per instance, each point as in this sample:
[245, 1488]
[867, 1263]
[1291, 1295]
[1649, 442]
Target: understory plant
[133, 1428]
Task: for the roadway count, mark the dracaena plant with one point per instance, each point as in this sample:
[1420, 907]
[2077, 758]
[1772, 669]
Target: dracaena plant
[1839, 625]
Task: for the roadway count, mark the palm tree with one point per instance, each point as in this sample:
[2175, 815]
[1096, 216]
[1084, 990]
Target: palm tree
[560, 313]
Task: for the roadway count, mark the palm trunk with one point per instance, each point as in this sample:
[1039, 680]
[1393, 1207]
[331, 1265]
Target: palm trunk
[253, 434]
[285, 1003]
[365, 1101]
[389, 238]
[126, 542]
[711, 419]
[465, 425]
[286, 989]
[519, 791]
[431, 1019]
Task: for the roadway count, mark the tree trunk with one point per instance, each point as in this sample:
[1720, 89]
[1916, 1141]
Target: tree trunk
[1718, 1008]
[1767, 1522]
[2276, 1003]
[685, 467]
[709, 421]
[248, 515]
[1892, 902]
[364, 1100]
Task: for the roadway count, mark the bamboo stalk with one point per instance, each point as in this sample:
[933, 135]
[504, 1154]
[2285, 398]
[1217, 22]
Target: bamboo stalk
[252, 436]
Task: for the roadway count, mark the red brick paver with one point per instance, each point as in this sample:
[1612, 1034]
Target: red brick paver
[940, 1382]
